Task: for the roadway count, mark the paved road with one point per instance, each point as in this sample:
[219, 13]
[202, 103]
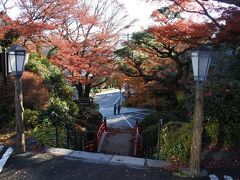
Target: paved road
[128, 116]
[46, 166]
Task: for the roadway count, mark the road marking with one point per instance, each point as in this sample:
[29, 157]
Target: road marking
[135, 116]
[5, 157]
[143, 113]
[1, 147]
[127, 121]
[117, 100]
[228, 177]
[213, 177]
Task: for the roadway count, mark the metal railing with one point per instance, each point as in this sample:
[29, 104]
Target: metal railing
[137, 151]
[75, 139]
[153, 152]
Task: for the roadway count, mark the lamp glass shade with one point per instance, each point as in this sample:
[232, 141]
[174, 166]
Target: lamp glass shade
[201, 59]
[16, 58]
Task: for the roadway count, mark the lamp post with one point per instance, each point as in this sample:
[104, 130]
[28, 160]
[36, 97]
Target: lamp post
[16, 58]
[201, 58]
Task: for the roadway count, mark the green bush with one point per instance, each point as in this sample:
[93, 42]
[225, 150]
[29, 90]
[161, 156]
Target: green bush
[31, 118]
[180, 97]
[230, 134]
[166, 116]
[176, 139]
[7, 116]
[47, 137]
[73, 108]
[35, 65]
[59, 106]
[95, 106]
[51, 75]
[211, 129]
[222, 97]
[149, 136]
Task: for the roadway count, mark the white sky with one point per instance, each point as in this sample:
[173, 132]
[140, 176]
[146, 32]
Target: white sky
[140, 10]
[137, 9]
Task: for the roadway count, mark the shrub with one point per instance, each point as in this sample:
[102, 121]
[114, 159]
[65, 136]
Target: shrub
[51, 75]
[73, 108]
[176, 139]
[212, 130]
[180, 97]
[46, 136]
[91, 119]
[230, 134]
[149, 136]
[222, 97]
[31, 118]
[95, 106]
[7, 118]
[59, 106]
[36, 95]
[167, 116]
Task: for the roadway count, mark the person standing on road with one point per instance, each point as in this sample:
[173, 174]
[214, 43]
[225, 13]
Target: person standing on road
[115, 109]
[119, 107]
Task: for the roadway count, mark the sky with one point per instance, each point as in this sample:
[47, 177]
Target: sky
[140, 10]
[136, 9]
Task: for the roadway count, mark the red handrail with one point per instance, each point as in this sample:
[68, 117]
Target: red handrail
[101, 130]
[137, 142]
[93, 144]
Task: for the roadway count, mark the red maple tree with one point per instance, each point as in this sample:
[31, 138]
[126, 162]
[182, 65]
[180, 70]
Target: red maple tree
[224, 15]
[85, 42]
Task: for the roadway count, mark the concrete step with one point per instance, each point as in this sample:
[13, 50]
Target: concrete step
[109, 159]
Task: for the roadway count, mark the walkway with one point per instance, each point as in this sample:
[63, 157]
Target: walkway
[120, 137]
[118, 142]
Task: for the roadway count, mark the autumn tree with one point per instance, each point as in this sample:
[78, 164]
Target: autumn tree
[158, 54]
[224, 15]
[79, 36]
[225, 19]
[32, 26]
[85, 41]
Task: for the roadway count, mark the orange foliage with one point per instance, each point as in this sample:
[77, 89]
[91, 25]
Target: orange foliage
[225, 18]
[86, 41]
[35, 93]
[182, 34]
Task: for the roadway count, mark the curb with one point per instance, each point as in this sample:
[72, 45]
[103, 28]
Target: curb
[133, 162]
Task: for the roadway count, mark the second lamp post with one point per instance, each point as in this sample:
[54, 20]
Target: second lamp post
[201, 58]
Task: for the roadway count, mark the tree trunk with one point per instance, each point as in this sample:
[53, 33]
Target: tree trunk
[80, 90]
[20, 137]
[87, 90]
[197, 131]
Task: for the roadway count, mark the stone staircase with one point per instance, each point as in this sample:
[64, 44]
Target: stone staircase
[118, 142]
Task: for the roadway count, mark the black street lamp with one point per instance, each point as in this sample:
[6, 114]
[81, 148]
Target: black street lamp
[16, 60]
[201, 58]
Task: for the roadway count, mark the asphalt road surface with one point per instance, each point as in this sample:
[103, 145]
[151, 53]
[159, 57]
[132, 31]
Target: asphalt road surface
[46, 166]
[127, 117]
